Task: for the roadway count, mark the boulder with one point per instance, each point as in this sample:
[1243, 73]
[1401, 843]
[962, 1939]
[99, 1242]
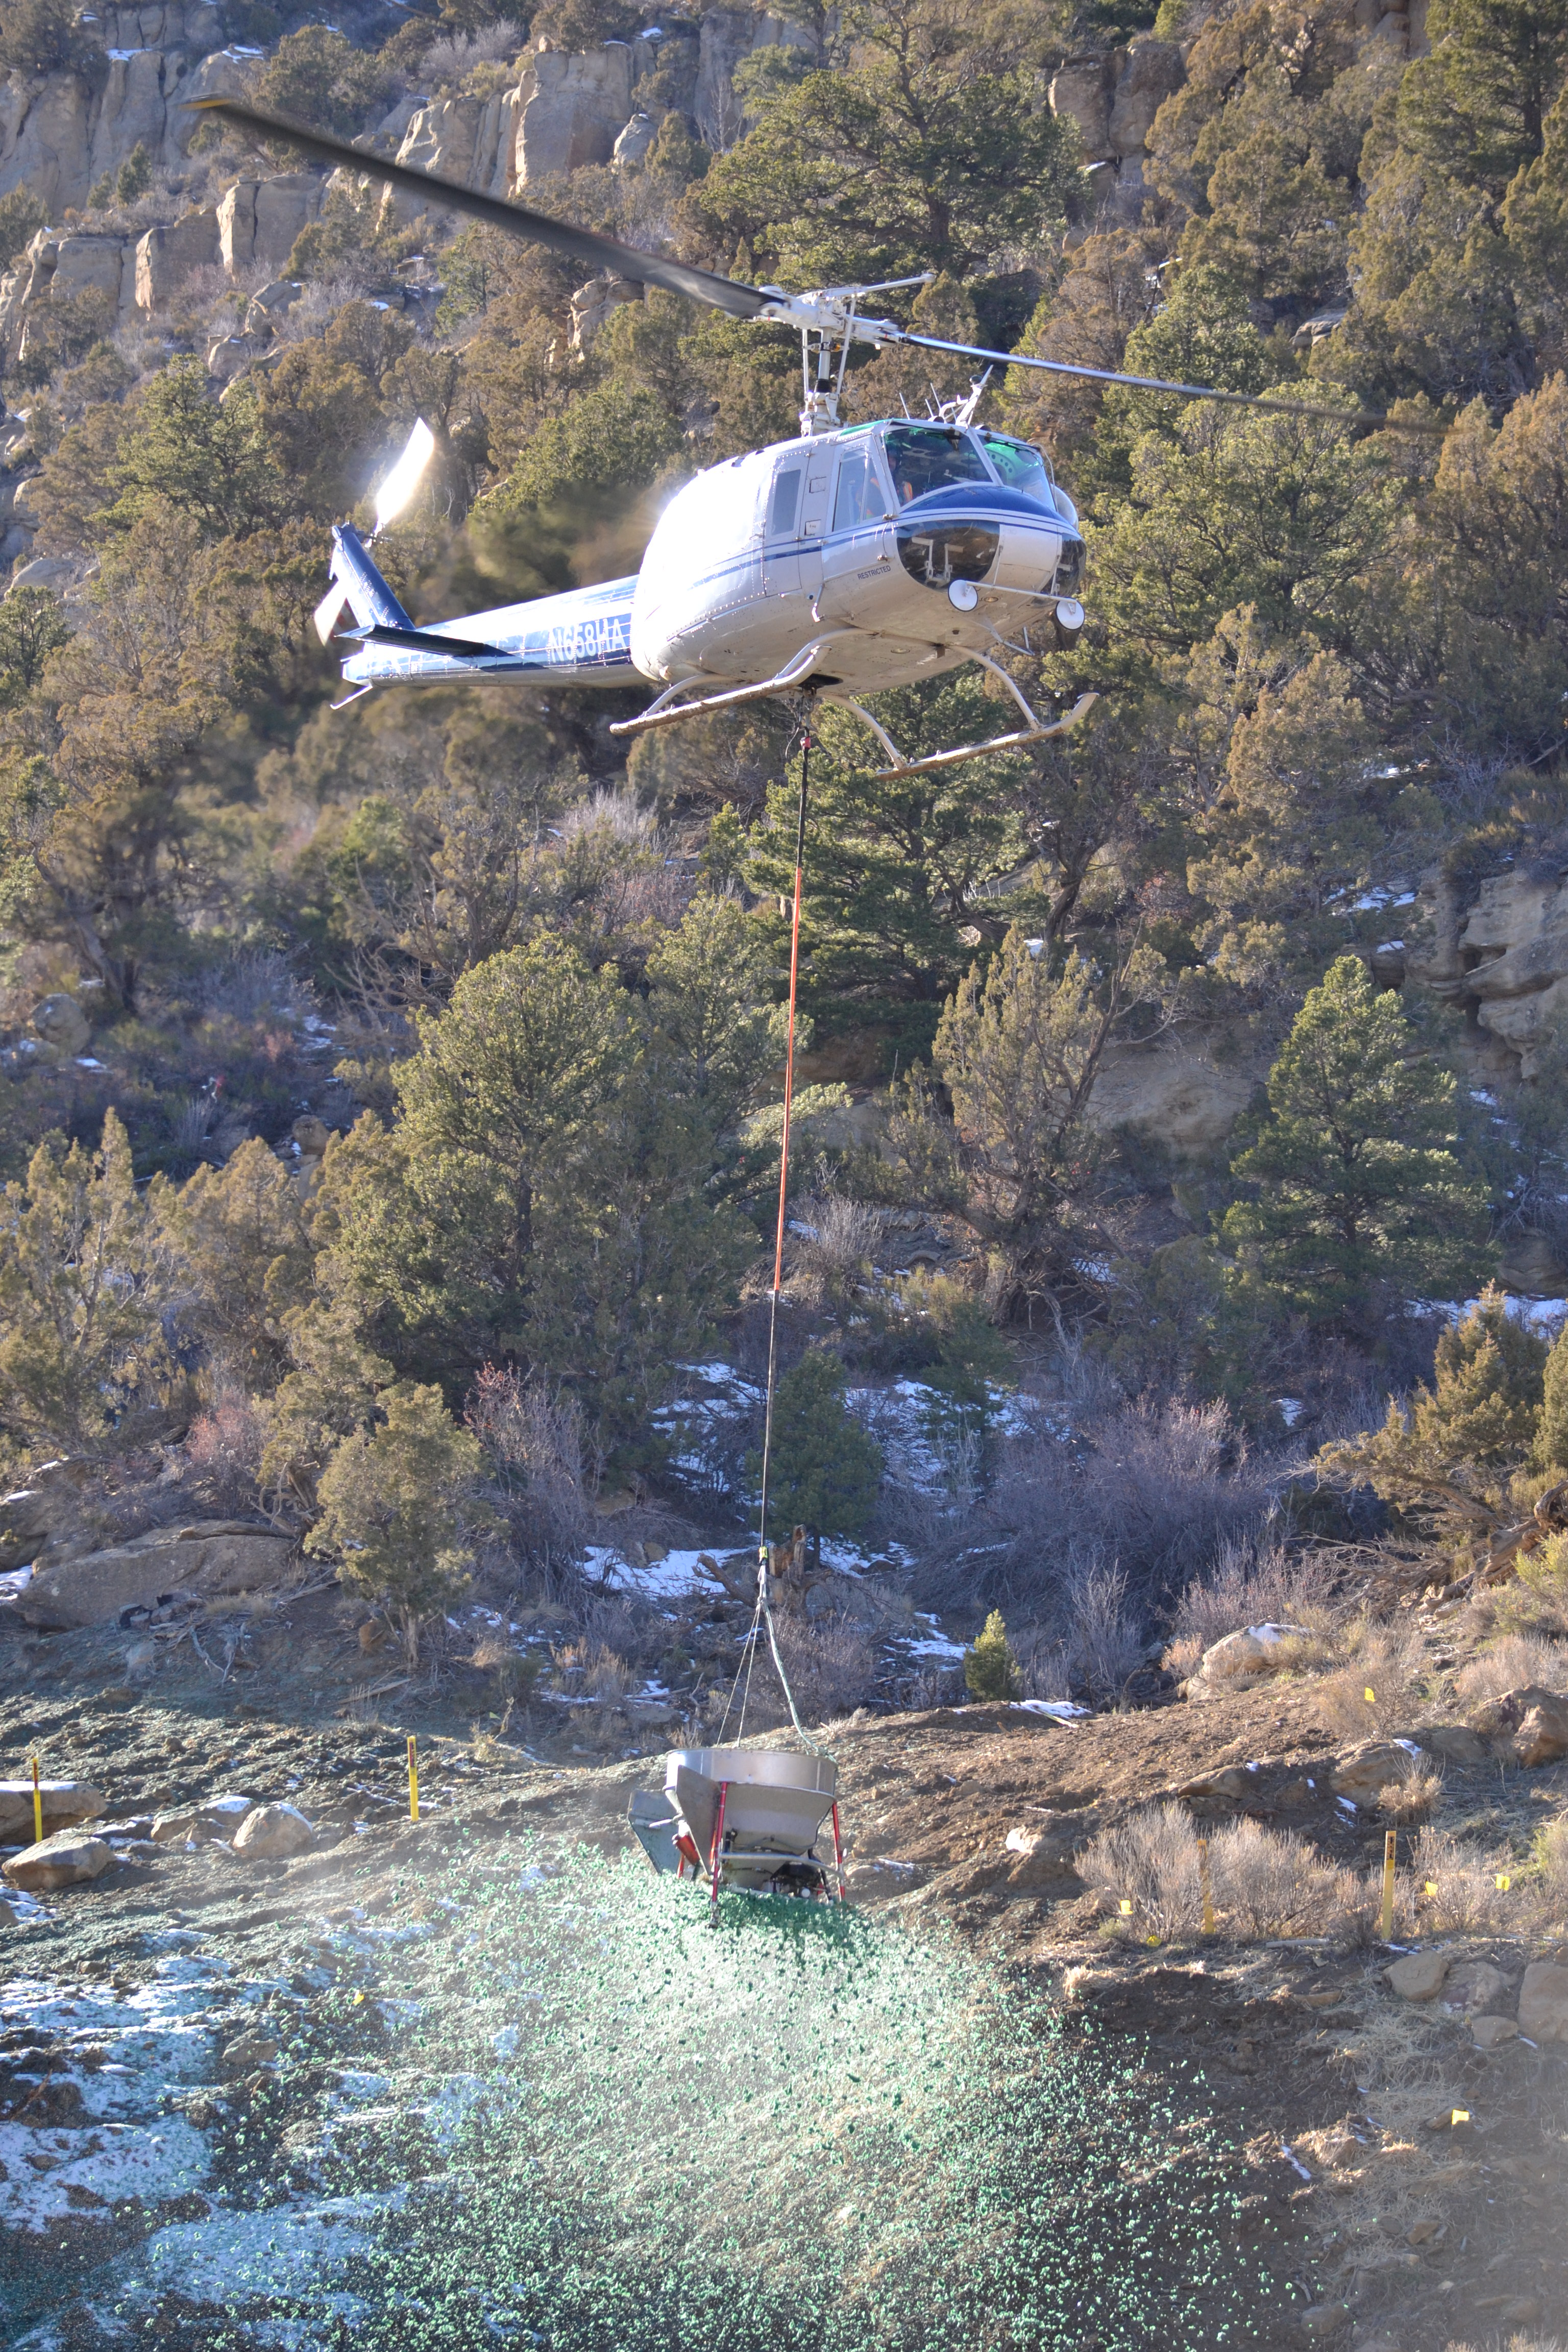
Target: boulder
[61, 1022]
[1543, 2003]
[1363, 1772]
[64, 1860]
[215, 1560]
[30, 1518]
[633, 142]
[1081, 89]
[231, 354]
[1491, 2033]
[1257, 1650]
[274, 1834]
[66, 1803]
[1475, 1985]
[165, 257]
[1418, 1976]
[1232, 1781]
[218, 1818]
[43, 572]
[268, 305]
[1528, 1725]
[249, 2050]
[1455, 1742]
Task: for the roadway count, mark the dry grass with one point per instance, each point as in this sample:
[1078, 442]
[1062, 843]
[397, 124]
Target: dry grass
[589, 1669]
[1457, 1893]
[1413, 1797]
[1264, 1882]
[1508, 1662]
[1251, 1585]
[831, 1664]
[1390, 1661]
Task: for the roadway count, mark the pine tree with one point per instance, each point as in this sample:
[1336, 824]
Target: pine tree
[825, 1469]
[1358, 1193]
[1450, 1450]
[990, 1668]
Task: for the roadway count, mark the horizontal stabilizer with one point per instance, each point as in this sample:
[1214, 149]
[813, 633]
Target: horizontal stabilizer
[421, 641]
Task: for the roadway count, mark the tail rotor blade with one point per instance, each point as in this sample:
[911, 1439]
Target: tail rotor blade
[583, 245]
[325, 616]
[397, 492]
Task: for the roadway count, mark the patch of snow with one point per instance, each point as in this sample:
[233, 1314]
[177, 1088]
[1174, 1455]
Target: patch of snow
[673, 1578]
[1060, 1711]
[1291, 1409]
[86, 1061]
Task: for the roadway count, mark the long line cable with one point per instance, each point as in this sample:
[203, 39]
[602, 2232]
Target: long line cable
[762, 1561]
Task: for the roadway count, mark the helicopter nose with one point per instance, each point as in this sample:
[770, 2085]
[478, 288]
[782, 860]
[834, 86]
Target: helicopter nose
[991, 538]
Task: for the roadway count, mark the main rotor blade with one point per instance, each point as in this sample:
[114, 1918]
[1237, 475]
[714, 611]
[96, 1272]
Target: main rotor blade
[1186, 391]
[584, 245]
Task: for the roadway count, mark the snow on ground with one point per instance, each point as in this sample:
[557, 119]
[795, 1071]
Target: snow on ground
[674, 1577]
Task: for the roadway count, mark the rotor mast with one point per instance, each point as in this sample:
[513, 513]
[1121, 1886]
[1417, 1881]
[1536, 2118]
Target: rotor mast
[826, 321]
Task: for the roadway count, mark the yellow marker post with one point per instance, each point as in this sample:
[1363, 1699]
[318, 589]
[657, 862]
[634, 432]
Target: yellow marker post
[1431, 1886]
[413, 1778]
[1126, 1908]
[38, 1804]
[1206, 1885]
[1459, 2116]
[1370, 1696]
[1391, 1839]
[1503, 1881]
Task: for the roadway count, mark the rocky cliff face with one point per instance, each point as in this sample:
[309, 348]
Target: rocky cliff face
[60, 138]
[1502, 957]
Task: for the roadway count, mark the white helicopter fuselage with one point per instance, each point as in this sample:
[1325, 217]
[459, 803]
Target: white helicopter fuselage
[874, 556]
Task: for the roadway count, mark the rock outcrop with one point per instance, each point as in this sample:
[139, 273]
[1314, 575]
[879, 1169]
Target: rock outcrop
[1503, 957]
[259, 220]
[730, 34]
[167, 258]
[1113, 99]
[61, 137]
[213, 1559]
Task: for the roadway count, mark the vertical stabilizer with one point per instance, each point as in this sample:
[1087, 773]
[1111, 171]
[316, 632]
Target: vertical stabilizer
[357, 583]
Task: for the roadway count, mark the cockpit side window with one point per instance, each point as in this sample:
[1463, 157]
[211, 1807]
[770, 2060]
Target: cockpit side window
[1019, 465]
[859, 497]
[922, 457]
[785, 502]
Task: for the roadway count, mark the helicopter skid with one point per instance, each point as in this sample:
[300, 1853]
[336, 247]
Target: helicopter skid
[794, 672]
[1017, 741]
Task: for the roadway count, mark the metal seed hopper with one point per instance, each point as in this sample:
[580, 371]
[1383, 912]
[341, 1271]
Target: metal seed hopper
[746, 1817]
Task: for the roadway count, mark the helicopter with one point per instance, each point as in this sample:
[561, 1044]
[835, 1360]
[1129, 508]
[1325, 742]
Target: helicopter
[850, 560]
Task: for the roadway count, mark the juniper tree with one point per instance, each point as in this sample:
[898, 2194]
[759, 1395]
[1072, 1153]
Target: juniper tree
[824, 1469]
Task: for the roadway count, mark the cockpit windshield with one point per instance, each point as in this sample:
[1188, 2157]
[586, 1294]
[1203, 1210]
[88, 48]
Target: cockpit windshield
[922, 457]
[1020, 467]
